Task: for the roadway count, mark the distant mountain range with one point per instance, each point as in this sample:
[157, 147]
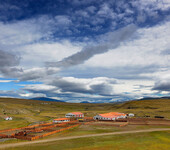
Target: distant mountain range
[116, 101]
[84, 102]
[145, 98]
[46, 99]
[152, 98]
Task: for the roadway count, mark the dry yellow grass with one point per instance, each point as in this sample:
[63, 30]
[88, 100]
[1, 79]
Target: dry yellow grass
[27, 112]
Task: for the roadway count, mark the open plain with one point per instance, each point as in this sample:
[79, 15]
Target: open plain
[141, 130]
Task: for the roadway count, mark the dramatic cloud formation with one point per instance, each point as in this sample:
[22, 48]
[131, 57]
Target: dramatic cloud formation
[76, 50]
[100, 85]
[8, 67]
[115, 39]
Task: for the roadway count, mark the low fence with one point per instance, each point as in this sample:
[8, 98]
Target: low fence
[37, 125]
[24, 128]
[34, 128]
[3, 136]
[46, 134]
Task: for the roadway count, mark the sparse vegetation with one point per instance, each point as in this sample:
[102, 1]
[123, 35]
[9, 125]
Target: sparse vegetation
[25, 112]
[138, 141]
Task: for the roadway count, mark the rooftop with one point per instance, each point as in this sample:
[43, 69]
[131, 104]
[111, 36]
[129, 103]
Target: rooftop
[77, 113]
[112, 114]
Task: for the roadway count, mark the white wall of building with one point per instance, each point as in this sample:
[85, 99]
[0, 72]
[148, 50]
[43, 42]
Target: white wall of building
[131, 115]
[8, 118]
[60, 121]
[98, 117]
[69, 115]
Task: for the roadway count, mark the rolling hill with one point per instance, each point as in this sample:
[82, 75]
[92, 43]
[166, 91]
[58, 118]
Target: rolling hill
[25, 112]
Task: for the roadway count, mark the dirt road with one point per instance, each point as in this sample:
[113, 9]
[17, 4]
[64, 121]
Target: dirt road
[3, 146]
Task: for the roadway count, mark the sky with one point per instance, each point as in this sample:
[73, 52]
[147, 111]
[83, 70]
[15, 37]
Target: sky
[85, 50]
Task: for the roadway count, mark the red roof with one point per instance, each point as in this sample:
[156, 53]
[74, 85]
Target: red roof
[77, 113]
[61, 119]
[112, 114]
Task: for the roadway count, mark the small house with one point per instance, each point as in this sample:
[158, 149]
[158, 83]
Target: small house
[131, 115]
[75, 115]
[8, 118]
[61, 120]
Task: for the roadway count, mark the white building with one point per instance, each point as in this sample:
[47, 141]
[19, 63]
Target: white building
[131, 115]
[110, 116]
[61, 120]
[8, 118]
[75, 115]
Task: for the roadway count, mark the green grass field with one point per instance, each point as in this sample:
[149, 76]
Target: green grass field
[142, 141]
[25, 112]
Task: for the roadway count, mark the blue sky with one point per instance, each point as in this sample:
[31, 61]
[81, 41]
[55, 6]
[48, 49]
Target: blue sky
[85, 50]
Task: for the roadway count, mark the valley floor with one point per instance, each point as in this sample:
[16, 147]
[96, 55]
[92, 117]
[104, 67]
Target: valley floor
[131, 139]
[89, 137]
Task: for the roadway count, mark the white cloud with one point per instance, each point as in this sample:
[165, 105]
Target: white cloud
[18, 33]
[32, 95]
[91, 9]
[37, 54]
[93, 88]
[135, 88]
[151, 5]
[5, 81]
[113, 41]
[62, 20]
[96, 86]
[38, 87]
[143, 51]
[30, 31]
[162, 80]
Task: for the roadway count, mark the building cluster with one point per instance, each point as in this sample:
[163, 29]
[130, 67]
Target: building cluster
[8, 118]
[105, 116]
[80, 116]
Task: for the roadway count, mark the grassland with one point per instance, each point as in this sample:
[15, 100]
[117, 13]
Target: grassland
[25, 112]
[147, 141]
